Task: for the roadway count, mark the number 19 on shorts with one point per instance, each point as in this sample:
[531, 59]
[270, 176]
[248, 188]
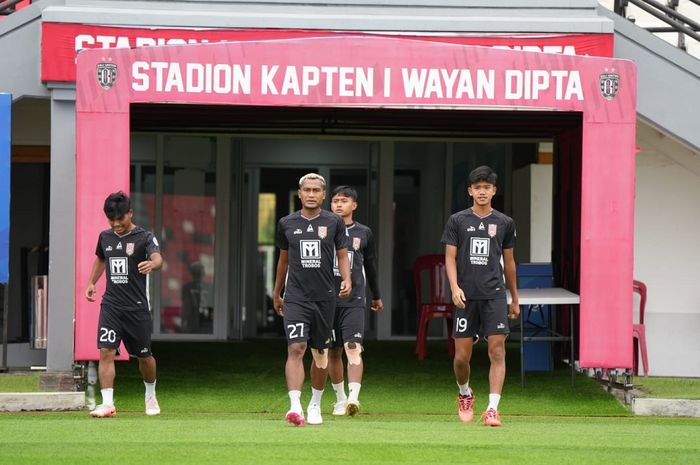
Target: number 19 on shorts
[460, 325]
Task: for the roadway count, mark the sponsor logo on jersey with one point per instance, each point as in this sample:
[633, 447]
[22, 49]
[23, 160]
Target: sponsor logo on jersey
[492, 230]
[119, 246]
[356, 243]
[479, 250]
[336, 268]
[471, 229]
[108, 249]
[322, 232]
[119, 270]
[129, 248]
[310, 229]
[298, 231]
[310, 253]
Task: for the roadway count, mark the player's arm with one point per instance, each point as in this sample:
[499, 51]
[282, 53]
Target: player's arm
[458, 297]
[98, 267]
[370, 262]
[280, 276]
[154, 262]
[344, 268]
[511, 282]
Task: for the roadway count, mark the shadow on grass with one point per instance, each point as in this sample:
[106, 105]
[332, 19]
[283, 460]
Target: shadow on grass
[248, 377]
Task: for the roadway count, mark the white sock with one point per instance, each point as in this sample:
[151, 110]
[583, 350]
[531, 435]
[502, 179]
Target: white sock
[316, 396]
[340, 391]
[464, 389]
[494, 399]
[107, 396]
[295, 401]
[150, 389]
[354, 391]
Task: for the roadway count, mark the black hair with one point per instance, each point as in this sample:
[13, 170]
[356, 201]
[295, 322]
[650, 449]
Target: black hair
[117, 205]
[483, 174]
[345, 191]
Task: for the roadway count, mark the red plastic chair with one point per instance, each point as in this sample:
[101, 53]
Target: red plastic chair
[638, 333]
[437, 305]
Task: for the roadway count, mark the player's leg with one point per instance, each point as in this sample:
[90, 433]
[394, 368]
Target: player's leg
[353, 331]
[320, 337]
[495, 324]
[465, 326]
[297, 325]
[108, 340]
[137, 328]
[336, 370]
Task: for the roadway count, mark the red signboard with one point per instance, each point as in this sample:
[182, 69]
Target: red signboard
[61, 41]
[378, 72]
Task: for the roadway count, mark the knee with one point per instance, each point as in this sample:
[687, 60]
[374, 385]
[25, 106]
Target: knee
[320, 357]
[107, 355]
[296, 351]
[497, 354]
[353, 350]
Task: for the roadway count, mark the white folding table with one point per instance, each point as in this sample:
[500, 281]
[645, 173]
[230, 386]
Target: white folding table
[553, 296]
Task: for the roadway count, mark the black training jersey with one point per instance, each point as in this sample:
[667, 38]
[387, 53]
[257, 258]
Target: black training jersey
[311, 244]
[480, 243]
[363, 267]
[126, 287]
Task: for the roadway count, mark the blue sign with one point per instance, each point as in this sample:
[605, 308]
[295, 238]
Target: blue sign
[5, 112]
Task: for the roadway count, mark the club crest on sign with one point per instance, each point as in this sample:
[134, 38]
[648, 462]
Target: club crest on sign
[322, 231]
[609, 85]
[492, 230]
[106, 74]
[129, 248]
[356, 243]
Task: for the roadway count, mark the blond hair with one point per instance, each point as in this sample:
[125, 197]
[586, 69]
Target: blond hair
[312, 177]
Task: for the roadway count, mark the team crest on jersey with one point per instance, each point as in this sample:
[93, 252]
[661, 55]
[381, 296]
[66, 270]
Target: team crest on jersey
[322, 231]
[492, 230]
[356, 243]
[129, 248]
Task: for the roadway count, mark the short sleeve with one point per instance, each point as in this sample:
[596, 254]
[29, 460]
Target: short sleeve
[341, 234]
[98, 250]
[152, 245]
[280, 237]
[449, 235]
[509, 237]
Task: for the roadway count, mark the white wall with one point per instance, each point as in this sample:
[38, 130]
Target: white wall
[667, 251]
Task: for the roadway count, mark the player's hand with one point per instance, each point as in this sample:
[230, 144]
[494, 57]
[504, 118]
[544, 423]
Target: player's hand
[345, 288]
[145, 267]
[90, 293]
[278, 305]
[377, 305]
[458, 298]
[513, 310]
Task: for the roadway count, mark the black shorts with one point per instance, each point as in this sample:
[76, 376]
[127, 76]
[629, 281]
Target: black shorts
[310, 321]
[134, 327]
[349, 325]
[481, 318]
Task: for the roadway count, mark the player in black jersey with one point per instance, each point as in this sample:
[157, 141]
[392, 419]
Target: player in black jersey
[309, 240]
[128, 254]
[476, 239]
[349, 326]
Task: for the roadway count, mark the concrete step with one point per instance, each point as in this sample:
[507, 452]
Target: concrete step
[666, 407]
[31, 401]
